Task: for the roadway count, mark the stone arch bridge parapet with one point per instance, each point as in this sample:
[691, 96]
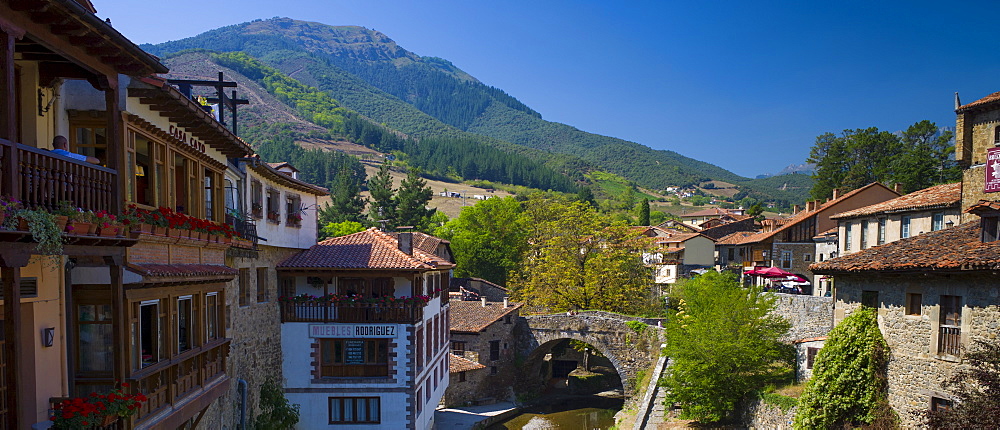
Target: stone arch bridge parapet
[629, 351]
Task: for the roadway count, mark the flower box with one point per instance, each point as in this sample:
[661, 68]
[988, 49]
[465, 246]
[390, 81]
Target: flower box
[80, 228]
[109, 231]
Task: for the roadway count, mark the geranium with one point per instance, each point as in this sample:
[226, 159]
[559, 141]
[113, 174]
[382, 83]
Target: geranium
[82, 412]
[340, 299]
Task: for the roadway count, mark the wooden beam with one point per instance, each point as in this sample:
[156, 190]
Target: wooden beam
[116, 140]
[119, 322]
[10, 185]
[68, 29]
[10, 272]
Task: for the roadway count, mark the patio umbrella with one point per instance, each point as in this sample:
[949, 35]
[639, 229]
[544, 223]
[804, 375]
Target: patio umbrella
[772, 272]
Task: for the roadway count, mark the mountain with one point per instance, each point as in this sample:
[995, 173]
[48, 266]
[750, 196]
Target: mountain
[424, 97]
[804, 168]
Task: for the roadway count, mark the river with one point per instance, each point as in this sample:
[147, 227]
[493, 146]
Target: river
[566, 412]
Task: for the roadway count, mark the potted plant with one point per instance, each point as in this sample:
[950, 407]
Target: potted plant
[8, 206]
[257, 210]
[43, 229]
[96, 410]
[273, 216]
[65, 210]
[295, 219]
[107, 224]
[82, 223]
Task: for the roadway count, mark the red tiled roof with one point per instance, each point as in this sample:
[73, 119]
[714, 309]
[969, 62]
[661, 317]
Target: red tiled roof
[277, 166]
[938, 196]
[984, 206]
[951, 249]
[425, 242]
[681, 237]
[707, 212]
[981, 102]
[472, 317]
[810, 339]
[735, 238]
[461, 364]
[369, 249]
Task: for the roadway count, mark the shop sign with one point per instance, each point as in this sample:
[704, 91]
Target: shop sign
[353, 330]
[992, 170]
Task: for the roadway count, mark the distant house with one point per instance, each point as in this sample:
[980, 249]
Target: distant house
[698, 217]
[476, 288]
[724, 225]
[930, 209]
[672, 224]
[790, 244]
[482, 351]
[677, 254]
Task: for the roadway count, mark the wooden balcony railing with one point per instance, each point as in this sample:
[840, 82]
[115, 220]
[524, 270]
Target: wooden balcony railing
[47, 179]
[351, 312]
[950, 340]
[171, 382]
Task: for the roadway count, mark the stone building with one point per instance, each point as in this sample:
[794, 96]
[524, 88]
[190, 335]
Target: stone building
[930, 209]
[364, 332]
[476, 288]
[934, 293]
[482, 332]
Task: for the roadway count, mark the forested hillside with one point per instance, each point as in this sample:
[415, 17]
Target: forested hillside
[426, 97]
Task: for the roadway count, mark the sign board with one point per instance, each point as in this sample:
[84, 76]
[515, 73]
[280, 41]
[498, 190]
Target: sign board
[992, 184]
[355, 352]
[363, 331]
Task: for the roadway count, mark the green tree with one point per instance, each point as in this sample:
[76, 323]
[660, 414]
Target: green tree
[347, 204]
[657, 217]
[411, 201]
[927, 159]
[383, 205]
[848, 386]
[642, 212]
[489, 239]
[724, 342]
[276, 412]
[580, 260]
[976, 389]
[586, 194]
[337, 229]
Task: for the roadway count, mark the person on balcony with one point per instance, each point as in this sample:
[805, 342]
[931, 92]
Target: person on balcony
[61, 146]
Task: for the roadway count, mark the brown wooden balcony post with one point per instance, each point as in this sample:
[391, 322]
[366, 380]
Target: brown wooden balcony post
[10, 183]
[116, 140]
[11, 262]
[119, 320]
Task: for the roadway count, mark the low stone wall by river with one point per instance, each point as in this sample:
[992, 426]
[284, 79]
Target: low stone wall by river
[758, 415]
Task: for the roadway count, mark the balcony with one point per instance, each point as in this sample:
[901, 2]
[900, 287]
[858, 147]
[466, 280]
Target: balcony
[46, 179]
[351, 312]
[181, 386]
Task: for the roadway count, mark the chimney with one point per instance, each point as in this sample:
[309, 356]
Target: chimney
[836, 193]
[484, 301]
[405, 240]
[958, 101]
[796, 209]
[810, 205]
[898, 188]
[505, 302]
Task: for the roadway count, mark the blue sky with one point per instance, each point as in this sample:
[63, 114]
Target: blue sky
[744, 85]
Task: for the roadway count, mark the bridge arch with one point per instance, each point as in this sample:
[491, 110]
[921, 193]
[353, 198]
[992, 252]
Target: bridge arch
[630, 352]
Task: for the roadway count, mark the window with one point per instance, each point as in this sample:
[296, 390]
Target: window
[821, 257]
[904, 227]
[355, 410]
[811, 356]
[869, 299]
[287, 286]
[458, 348]
[293, 210]
[89, 139]
[232, 197]
[950, 321]
[212, 316]
[185, 323]
[147, 171]
[95, 351]
[913, 303]
[847, 237]
[148, 344]
[807, 257]
[213, 196]
[461, 376]
[494, 350]
[493, 370]
[244, 287]
[273, 206]
[996, 136]
[939, 404]
[262, 285]
[256, 199]
[786, 259]
[507, 319]
[864, 235]
[989, 226]
[354, 357]
[937, 221]
[732, 254]
[881, 231]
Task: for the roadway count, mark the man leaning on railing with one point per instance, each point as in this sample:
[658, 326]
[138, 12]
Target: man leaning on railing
[61, 146]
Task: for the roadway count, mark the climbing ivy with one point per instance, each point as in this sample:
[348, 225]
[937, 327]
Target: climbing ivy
[848, 386]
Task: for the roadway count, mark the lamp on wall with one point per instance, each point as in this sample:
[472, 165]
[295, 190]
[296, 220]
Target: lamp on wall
[140, 171]
[949, 224]
[48, 336]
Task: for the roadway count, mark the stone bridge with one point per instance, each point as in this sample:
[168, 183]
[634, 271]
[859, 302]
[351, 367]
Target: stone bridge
[628, 350]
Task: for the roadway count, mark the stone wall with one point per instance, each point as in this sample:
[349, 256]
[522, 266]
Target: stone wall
[255, 330]
[803, 254]
[916, 369]
[757, 414]
[810, 316]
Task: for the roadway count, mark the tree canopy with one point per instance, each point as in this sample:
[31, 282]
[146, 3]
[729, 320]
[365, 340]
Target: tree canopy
[917, 159]
[579, 259]
[489, 239]
[724, 343]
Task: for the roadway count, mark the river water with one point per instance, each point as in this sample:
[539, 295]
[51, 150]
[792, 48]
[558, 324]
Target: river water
[566, 412]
